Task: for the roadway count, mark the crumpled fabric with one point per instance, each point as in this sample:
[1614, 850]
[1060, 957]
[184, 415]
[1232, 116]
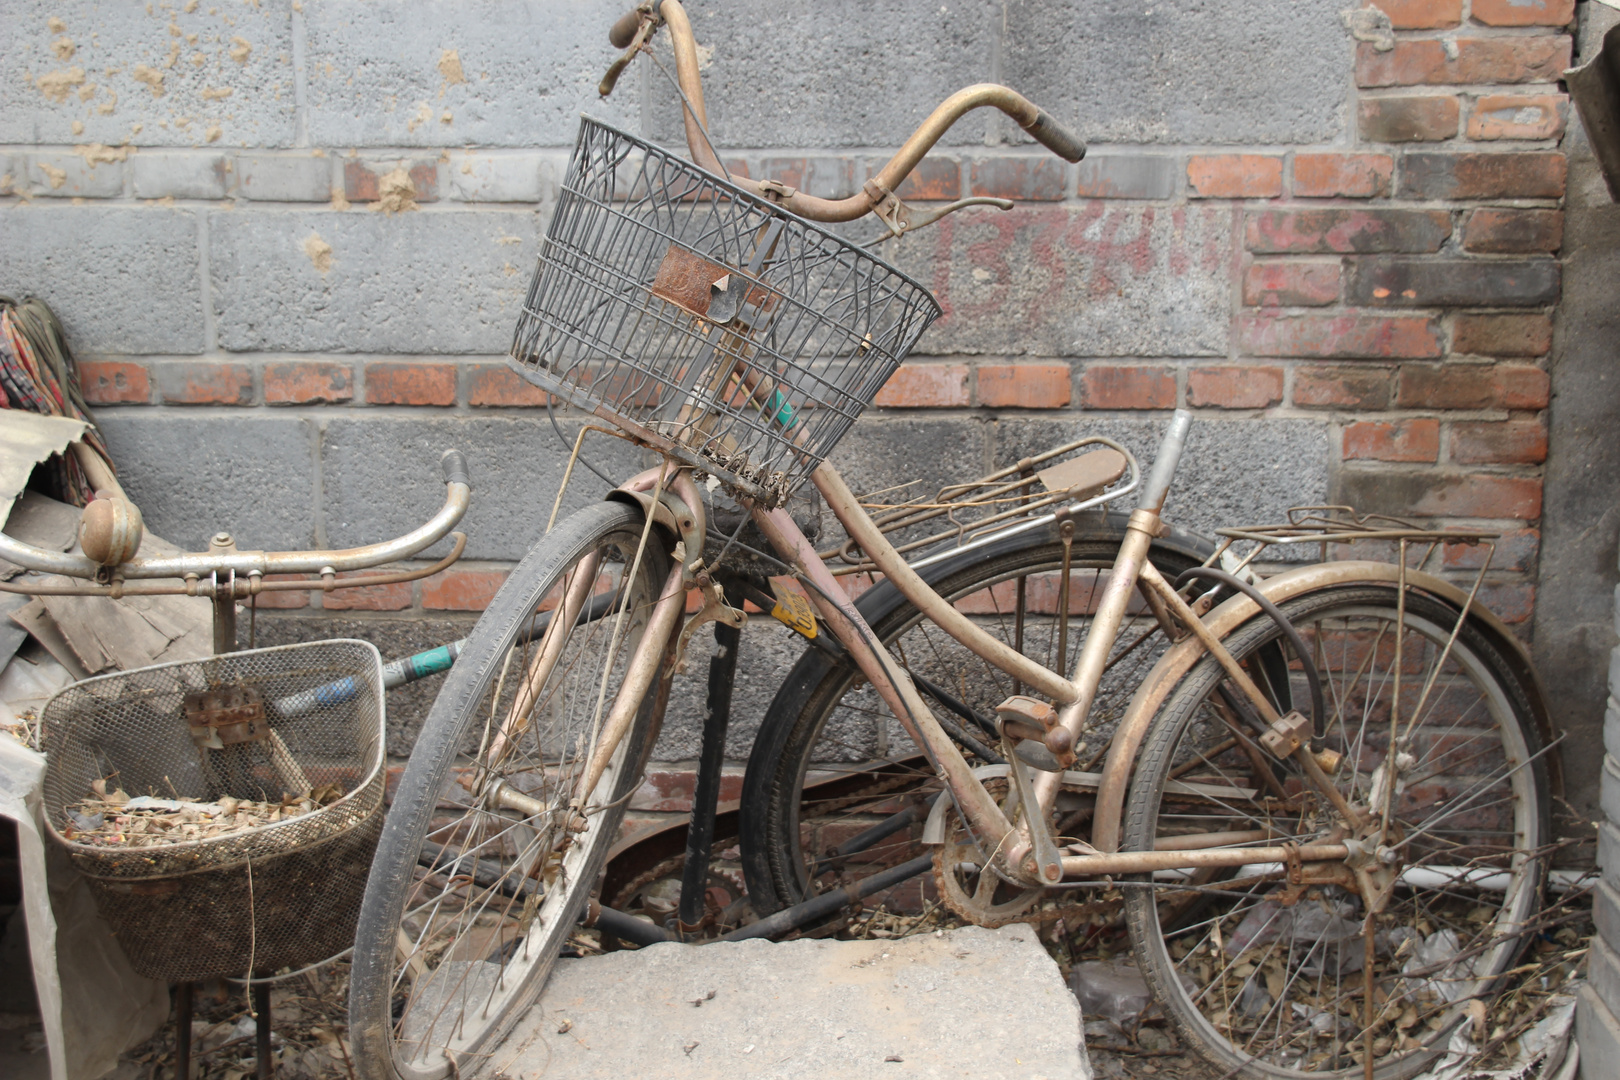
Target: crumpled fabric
[84, 983]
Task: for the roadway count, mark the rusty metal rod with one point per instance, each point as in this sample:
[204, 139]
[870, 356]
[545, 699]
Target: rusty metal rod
[847, 509]
[982, 812]
[643, 666]
[246, 563]
[1146, 862]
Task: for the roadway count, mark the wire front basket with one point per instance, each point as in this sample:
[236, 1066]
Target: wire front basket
[300, 725]
[705, 320]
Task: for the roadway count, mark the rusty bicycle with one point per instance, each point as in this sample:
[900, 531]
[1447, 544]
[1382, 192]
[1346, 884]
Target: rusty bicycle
[1316, 800]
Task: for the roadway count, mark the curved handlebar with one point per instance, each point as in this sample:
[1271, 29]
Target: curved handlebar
[458, 494]
[1036, 121]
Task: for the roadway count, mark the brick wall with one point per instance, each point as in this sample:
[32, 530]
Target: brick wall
[289, 241]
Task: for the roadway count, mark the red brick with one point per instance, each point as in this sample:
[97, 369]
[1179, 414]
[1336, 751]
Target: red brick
[1408, 119]
[922, 386]
[1028, 179]
[108, 382]
[462, 590]
[1349, 230]
[1421, 14]
[933, 180]
[1509, 442]
[1502, 335]
[1024, 386]
[1342, 387]
[1478, 60]
[1481, 497]
[1235, 176]
[395, 597]
[1493, 231]
[1354, 176]
[284, 600]
[1371, 336]
[1128, 388]
[1234, 387]
[1472, 386]
[1516, 549]
[1510, 601]
[1484, 176]
[498, 386]
[1524, 12]
[1291, 284]
[1397, 440]
[1401, 282]
[1518, 116]
[199, 383]
[296, 383]
[411, 384]
[361, 180]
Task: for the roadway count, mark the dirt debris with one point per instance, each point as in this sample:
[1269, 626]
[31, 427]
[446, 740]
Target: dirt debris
[57, 85]
[64, 48]
[449, 67]
[319, 252]
[96, 154]
[240, 49]
[151, 77]
[395, 192]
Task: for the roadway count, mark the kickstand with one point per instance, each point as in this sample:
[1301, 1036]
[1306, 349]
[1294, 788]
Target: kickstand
[182, 1031]
[261, 1006]
[706, 793]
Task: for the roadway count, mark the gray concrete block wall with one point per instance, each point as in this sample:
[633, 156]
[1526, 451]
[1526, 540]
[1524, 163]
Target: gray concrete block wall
[1590, 277]
[276, 349]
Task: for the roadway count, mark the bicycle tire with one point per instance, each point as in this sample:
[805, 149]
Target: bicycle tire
[772, 844]
[466, 894]
[1249, 949]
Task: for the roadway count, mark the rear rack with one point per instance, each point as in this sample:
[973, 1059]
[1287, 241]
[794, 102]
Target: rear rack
[1004, 503]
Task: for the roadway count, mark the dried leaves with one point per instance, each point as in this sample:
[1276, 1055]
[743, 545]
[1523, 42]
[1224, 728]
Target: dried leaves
[113, 819]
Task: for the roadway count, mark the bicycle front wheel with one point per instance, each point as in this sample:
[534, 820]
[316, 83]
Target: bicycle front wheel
[488, 854]
[1267, 978]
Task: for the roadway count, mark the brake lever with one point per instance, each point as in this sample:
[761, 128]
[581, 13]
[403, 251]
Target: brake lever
[902, 219]
[644, 32]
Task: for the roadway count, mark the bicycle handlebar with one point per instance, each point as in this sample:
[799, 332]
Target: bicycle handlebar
[245, 563]
[1039, 123]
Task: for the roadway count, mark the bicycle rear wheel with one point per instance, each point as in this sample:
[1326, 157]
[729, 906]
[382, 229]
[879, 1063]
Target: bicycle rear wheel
[1277, 972]
[485, 863]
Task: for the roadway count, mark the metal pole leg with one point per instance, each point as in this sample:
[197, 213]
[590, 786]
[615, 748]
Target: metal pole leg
[705, 797]
[261, 1005]
[182, 1031]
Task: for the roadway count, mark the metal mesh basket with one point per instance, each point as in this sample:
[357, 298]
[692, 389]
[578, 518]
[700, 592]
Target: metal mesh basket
[707, 321]
[285, 894]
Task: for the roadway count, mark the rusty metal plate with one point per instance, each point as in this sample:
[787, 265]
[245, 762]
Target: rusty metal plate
[1088, 473]
[692, 282]
[234, 713]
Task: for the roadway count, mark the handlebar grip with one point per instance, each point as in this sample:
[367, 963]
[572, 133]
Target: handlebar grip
[1056, 137]
[625, 29]
[454, 467]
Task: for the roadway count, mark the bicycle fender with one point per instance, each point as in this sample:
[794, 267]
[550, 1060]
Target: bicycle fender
[1179, 659]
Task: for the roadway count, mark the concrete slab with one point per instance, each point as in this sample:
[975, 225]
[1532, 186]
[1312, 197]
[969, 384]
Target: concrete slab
[959, 1003]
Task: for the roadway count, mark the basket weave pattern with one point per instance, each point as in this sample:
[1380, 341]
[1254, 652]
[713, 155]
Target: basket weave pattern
[285, 894]
[705, 320]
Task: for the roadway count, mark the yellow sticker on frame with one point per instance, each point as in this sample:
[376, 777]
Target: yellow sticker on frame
[793, 609]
